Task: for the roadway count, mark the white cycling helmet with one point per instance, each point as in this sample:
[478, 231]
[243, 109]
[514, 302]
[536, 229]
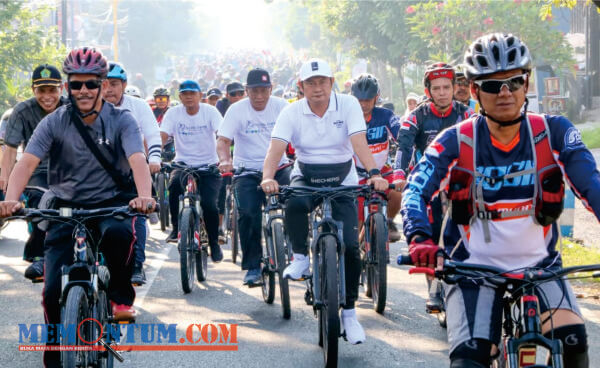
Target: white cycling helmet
[133, 91]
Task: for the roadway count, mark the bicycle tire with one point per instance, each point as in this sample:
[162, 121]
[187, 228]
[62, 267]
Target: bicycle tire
[235, 237]
[102, 312]
[364, 278]
[268, 276]
[284, 288]
[202, 256]
[378, 265]
[329, 311]
[163, 201]
[441, 316]
[75, 311]
[186, 249]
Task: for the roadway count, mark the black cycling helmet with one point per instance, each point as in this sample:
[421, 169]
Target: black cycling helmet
[365, 87]
[496, 52]
[160, 91]
[438, 70]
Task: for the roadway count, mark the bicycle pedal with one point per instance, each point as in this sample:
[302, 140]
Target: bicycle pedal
[433, 310]
[254, 285]
[111, 350]
[38, 280]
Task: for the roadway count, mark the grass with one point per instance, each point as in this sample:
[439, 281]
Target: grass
[591, 138]
[574, 253]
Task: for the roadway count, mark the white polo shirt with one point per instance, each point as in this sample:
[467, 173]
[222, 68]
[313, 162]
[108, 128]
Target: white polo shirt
[251, 131]
[147, 122]
[194, 135]
[322, 140]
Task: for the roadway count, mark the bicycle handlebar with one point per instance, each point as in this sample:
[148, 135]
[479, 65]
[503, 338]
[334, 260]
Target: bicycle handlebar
[70, 213]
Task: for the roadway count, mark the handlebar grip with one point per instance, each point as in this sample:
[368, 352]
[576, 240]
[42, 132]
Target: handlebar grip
[404, 259]
[391, 186]
[227, 174]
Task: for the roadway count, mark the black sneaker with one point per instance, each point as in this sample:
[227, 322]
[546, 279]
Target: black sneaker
[216, 254]
[393, 234]
[35, 272]
[434, 304]
[172, 236]
[138, 277]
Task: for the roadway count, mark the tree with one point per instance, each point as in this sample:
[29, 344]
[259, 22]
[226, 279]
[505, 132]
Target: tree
[25, 42]
[447, 29]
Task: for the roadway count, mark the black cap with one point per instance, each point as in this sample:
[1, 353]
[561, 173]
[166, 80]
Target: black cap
[258, 78]
[46, 75]
[214, 92]
[234, 87]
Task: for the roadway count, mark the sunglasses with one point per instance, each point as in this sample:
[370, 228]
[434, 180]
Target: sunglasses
[161, 99]
[90, 84]
[237, 93]
[494, 86]
[462, 83]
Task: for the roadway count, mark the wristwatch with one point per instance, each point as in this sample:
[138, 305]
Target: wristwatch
[374, 172]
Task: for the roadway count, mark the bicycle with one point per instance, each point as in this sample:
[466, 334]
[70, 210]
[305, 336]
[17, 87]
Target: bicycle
[85, 283]
[374, 249]
[326, 287]
[192, 236]
[521, 324]
[161, 188]
[230, 220]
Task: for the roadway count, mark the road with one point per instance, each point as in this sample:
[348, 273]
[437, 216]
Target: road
[405, 336]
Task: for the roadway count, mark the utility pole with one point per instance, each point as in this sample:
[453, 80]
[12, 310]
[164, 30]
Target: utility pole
[115, 4]
[63, 21]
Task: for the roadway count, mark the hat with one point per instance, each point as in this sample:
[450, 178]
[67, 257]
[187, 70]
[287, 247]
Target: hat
[412, 96]
[189, 85]
[315, 67]
[234, 87]
[46, 75]
[258, 78]
[214, 92]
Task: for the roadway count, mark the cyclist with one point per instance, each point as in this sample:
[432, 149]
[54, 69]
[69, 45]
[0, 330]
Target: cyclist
[193, 126]
[517, 202]
[326, 129]
[234, 92]
[46, 84]
[161, 99]
[213, 95]
[418, 130]
[115, 93]
[249, 123]
[462, 90]
[382, 125]
[412, 100]
[78, 180]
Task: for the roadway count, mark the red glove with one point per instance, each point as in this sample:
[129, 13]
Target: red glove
[423, 252]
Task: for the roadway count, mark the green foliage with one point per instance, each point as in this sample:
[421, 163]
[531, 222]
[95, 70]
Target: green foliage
[25, 42]
[591, 138]
[447, 29]
[547, 5]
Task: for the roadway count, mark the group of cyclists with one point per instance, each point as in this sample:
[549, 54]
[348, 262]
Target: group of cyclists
[477, 177]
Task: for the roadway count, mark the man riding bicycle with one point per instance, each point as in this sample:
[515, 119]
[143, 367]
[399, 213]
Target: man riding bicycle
[46, 84]
[326, 129]
[77, 179]
[382, 125]
[503, 171]
[193, 126]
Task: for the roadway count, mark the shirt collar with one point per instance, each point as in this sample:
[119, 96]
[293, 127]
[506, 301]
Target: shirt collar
[333, 104]
[438, 113]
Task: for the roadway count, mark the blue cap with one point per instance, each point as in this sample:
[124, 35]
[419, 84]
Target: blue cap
[189, 85]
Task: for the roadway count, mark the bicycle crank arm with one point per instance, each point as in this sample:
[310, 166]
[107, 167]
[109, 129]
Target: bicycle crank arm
[112, 351]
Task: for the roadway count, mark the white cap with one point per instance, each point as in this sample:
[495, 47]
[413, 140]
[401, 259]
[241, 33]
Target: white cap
[412, 96]
[315, 67]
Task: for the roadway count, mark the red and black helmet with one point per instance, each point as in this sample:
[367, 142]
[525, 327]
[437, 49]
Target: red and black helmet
[438, 70]
[86, 60]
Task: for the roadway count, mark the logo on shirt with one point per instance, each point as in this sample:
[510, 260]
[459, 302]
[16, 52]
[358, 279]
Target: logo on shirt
[573, 138]
[253, 128]
[435, 149]
[190, 130]
[338, 123]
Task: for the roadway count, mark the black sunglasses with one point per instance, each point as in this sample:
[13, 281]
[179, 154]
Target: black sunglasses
[237, 93]
[494, 86]
[90, 84]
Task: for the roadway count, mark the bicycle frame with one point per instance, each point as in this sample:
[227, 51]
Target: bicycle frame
[375, 203]
[273, 211]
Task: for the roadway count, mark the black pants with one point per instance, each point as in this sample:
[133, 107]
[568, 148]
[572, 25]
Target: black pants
[115, 242]
[223, 194]
[344, 209]
[34, 247]
[249, 201]
[208, 186]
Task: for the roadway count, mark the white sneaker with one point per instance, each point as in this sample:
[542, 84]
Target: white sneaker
[298, 268]
[353, 331]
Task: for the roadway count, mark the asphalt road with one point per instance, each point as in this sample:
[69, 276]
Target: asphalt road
[405, 336]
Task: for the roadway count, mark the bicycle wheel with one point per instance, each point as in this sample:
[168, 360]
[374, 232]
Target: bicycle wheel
[329, 311]
[441, 316]
[235, 237]
[202, 256]
[364, 279]
[227, 214]
[187, 227]
[268, 277]
[102, 312]
[75, 311]
[163, 201]
[377, 267]
[284, 289]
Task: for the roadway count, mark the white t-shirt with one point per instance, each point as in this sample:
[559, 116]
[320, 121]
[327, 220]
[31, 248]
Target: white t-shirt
[194, 135]
[145, 117]
[322, 140]
[251, 131]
